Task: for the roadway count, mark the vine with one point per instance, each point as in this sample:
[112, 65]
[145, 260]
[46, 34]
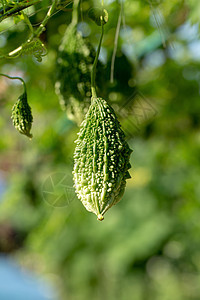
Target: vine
[14, 8]
[33, 45]
[93, 73]
[100, 18]
[16, 77]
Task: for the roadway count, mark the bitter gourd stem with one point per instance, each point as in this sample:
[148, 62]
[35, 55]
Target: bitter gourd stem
[93, 73]
[19, 78]
[75, 12]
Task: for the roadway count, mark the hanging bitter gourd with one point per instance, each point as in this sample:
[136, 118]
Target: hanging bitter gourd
[74, 64]
[22, 116]
[101, 159]
[21, 111]
[101, 156]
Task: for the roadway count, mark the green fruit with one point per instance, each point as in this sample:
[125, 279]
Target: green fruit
[22, 116]
[74, 65]
[101, 159]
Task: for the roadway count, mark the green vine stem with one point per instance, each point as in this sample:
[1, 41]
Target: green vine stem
[4, 7]
[75, 12]
[19, 78]
[93, 73]
[26, 19]
[41, 28]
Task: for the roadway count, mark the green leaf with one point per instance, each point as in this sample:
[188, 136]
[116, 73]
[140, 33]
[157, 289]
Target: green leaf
[18, 18]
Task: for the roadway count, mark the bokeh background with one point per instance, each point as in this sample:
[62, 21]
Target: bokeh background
[148, 246]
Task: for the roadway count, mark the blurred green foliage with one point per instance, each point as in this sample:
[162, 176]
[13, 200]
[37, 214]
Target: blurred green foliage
[148, 245]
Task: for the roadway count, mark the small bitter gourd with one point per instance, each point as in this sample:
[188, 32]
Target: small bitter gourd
[74, 64]
[22, 116]
[101, 159]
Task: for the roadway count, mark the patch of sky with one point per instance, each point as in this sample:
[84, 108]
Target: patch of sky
[194, 49]
[155, 59]
[2, 185]
[128, 46]
[188, 32]
[16, 284]
[84, 28]
[178, 51]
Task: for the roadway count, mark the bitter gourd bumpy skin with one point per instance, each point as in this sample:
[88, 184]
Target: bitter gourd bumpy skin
[101, 159]
[22, 116]
[74, 65]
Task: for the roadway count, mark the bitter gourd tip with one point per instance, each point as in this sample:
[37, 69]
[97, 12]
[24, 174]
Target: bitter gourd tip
[100, 217]
[30, 136]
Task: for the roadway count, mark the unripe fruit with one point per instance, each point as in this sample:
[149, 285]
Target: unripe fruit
[74, 65]
[22, 116]
[101, 159]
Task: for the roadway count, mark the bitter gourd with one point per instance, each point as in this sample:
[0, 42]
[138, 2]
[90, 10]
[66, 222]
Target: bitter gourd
[74, 64]
[101, 159]
[22, 116]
